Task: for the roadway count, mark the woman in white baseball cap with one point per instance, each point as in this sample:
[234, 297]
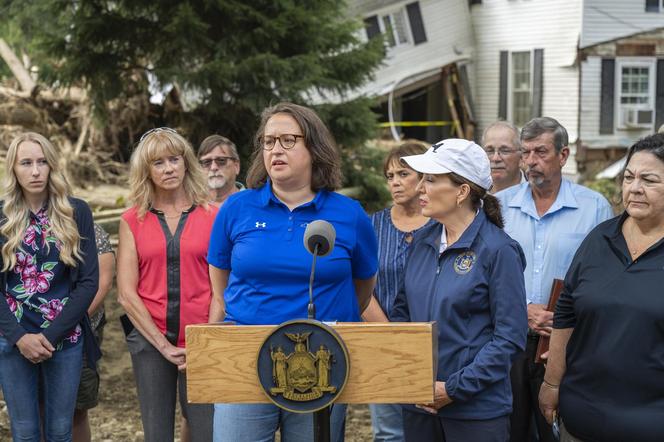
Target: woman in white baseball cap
[465, 273]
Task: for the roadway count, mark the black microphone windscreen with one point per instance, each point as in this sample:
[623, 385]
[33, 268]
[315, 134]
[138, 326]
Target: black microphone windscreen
[319, 233]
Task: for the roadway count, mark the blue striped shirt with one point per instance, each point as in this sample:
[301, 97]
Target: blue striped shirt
[392, 248]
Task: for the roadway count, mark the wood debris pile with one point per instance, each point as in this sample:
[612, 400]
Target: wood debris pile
[92, 151]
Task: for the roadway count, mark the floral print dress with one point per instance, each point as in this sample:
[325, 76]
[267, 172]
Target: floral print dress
[38, 286]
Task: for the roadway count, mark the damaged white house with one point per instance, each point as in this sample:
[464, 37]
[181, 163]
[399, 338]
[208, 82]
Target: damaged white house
[454, 66]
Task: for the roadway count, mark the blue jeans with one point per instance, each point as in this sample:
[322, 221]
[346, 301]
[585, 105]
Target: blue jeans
[259, 423]
[60, 376]
[386, 422]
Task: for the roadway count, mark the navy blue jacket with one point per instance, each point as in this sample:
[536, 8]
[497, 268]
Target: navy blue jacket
[475, 292]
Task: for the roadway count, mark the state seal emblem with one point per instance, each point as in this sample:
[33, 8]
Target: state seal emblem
[303, 366]
[464, 262]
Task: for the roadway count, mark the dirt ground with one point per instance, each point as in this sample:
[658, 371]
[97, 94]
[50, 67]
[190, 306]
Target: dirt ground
[117, 417]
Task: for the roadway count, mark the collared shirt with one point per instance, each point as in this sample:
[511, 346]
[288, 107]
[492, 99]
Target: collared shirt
[392, 250]
[550, 241]
[173, 277]
[260, 240]
[613, 387]
[474, 291]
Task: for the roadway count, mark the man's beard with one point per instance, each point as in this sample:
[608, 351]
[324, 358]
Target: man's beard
[217, 182]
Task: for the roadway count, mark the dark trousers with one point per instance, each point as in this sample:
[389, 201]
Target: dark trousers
[157, 381]
[527, 378]
[419, 427]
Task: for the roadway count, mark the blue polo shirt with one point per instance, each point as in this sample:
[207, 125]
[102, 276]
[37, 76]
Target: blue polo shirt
[260, 241]
[550, 241]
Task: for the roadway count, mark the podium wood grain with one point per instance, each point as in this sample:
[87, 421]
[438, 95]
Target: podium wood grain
[389, 362]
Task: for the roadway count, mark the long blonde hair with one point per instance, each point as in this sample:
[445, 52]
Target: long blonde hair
[152, 146]
[60, 211]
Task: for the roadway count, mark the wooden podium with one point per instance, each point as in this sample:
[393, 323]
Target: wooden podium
[389, 362]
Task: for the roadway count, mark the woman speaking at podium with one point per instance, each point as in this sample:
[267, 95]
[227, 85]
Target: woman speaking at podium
[466, 274]
[260, 269]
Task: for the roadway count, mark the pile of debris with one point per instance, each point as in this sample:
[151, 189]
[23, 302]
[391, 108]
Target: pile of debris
[90, 153]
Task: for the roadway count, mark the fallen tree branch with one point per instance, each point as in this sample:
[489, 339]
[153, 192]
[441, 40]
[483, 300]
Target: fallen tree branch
[20, 72]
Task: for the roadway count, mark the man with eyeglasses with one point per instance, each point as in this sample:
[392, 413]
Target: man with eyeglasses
[218, 156]
[501, 143]
[549, 216]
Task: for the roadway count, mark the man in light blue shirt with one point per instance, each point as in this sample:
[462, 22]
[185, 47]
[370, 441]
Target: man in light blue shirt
[549, 216]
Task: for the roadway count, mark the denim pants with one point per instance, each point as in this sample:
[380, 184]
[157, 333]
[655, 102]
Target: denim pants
[386, 422]
[20, 379]
[259, 423]
[157, 381]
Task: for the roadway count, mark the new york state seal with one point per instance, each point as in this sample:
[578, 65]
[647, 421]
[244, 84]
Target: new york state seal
[302, 366]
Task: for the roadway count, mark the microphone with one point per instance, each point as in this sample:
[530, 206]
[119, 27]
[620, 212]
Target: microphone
[319, 234]
[318, 239]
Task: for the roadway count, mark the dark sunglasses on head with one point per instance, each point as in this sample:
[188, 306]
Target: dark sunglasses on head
[219, 161]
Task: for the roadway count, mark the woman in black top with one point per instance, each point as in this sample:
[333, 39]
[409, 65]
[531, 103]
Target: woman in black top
[606, 365]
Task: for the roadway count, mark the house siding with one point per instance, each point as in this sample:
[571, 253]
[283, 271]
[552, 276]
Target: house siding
[449, 38]
[591, 83]
[605, 20]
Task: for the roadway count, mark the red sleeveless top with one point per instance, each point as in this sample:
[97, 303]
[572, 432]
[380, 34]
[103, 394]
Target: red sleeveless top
[173, 279]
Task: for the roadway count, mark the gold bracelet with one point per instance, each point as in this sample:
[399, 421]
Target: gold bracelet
[550, 385]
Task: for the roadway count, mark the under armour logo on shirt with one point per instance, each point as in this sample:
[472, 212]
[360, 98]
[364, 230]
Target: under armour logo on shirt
[261, 224]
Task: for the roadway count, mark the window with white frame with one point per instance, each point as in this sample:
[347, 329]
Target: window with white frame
[400, 26]
[635, 87]
[394, 27]
[521, 88]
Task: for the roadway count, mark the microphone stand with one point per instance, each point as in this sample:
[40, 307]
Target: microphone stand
[321, 417]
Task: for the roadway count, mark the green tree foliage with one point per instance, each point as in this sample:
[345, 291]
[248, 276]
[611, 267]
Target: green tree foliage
[235, 57]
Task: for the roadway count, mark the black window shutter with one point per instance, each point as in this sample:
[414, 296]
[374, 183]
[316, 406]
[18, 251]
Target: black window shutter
[659, 95]
[652, 5]
[502, 89]
[416, 23]
[608, 96]
[538, 82]
[372, 26]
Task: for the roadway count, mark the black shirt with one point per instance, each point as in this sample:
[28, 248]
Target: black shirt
[613, 388]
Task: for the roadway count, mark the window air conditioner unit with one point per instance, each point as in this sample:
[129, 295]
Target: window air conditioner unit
[637, 118]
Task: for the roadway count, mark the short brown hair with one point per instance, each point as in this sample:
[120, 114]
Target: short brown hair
[403, 150]
[326, 163]
[213, 141]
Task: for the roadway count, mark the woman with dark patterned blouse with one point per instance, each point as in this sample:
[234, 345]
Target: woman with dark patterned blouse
[88, 390]
[394, 227]
[163, 279]
[49, 278]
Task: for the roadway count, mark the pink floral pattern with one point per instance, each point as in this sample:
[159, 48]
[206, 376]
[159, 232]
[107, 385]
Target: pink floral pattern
[51, 309]
[32, 296]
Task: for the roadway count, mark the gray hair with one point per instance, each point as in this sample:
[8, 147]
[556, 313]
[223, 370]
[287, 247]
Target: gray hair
[540, 125]
[213, 141]
[516, 141]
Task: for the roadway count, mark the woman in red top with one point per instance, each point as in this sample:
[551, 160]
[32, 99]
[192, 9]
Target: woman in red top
[163, 281]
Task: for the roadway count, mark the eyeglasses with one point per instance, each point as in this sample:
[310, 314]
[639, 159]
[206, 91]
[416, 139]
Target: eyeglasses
[219, 161]
[157, 129]
[161, 163]
[503, 152]
[287, 141]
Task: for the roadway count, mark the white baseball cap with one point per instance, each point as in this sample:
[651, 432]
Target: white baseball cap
[463, 157]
